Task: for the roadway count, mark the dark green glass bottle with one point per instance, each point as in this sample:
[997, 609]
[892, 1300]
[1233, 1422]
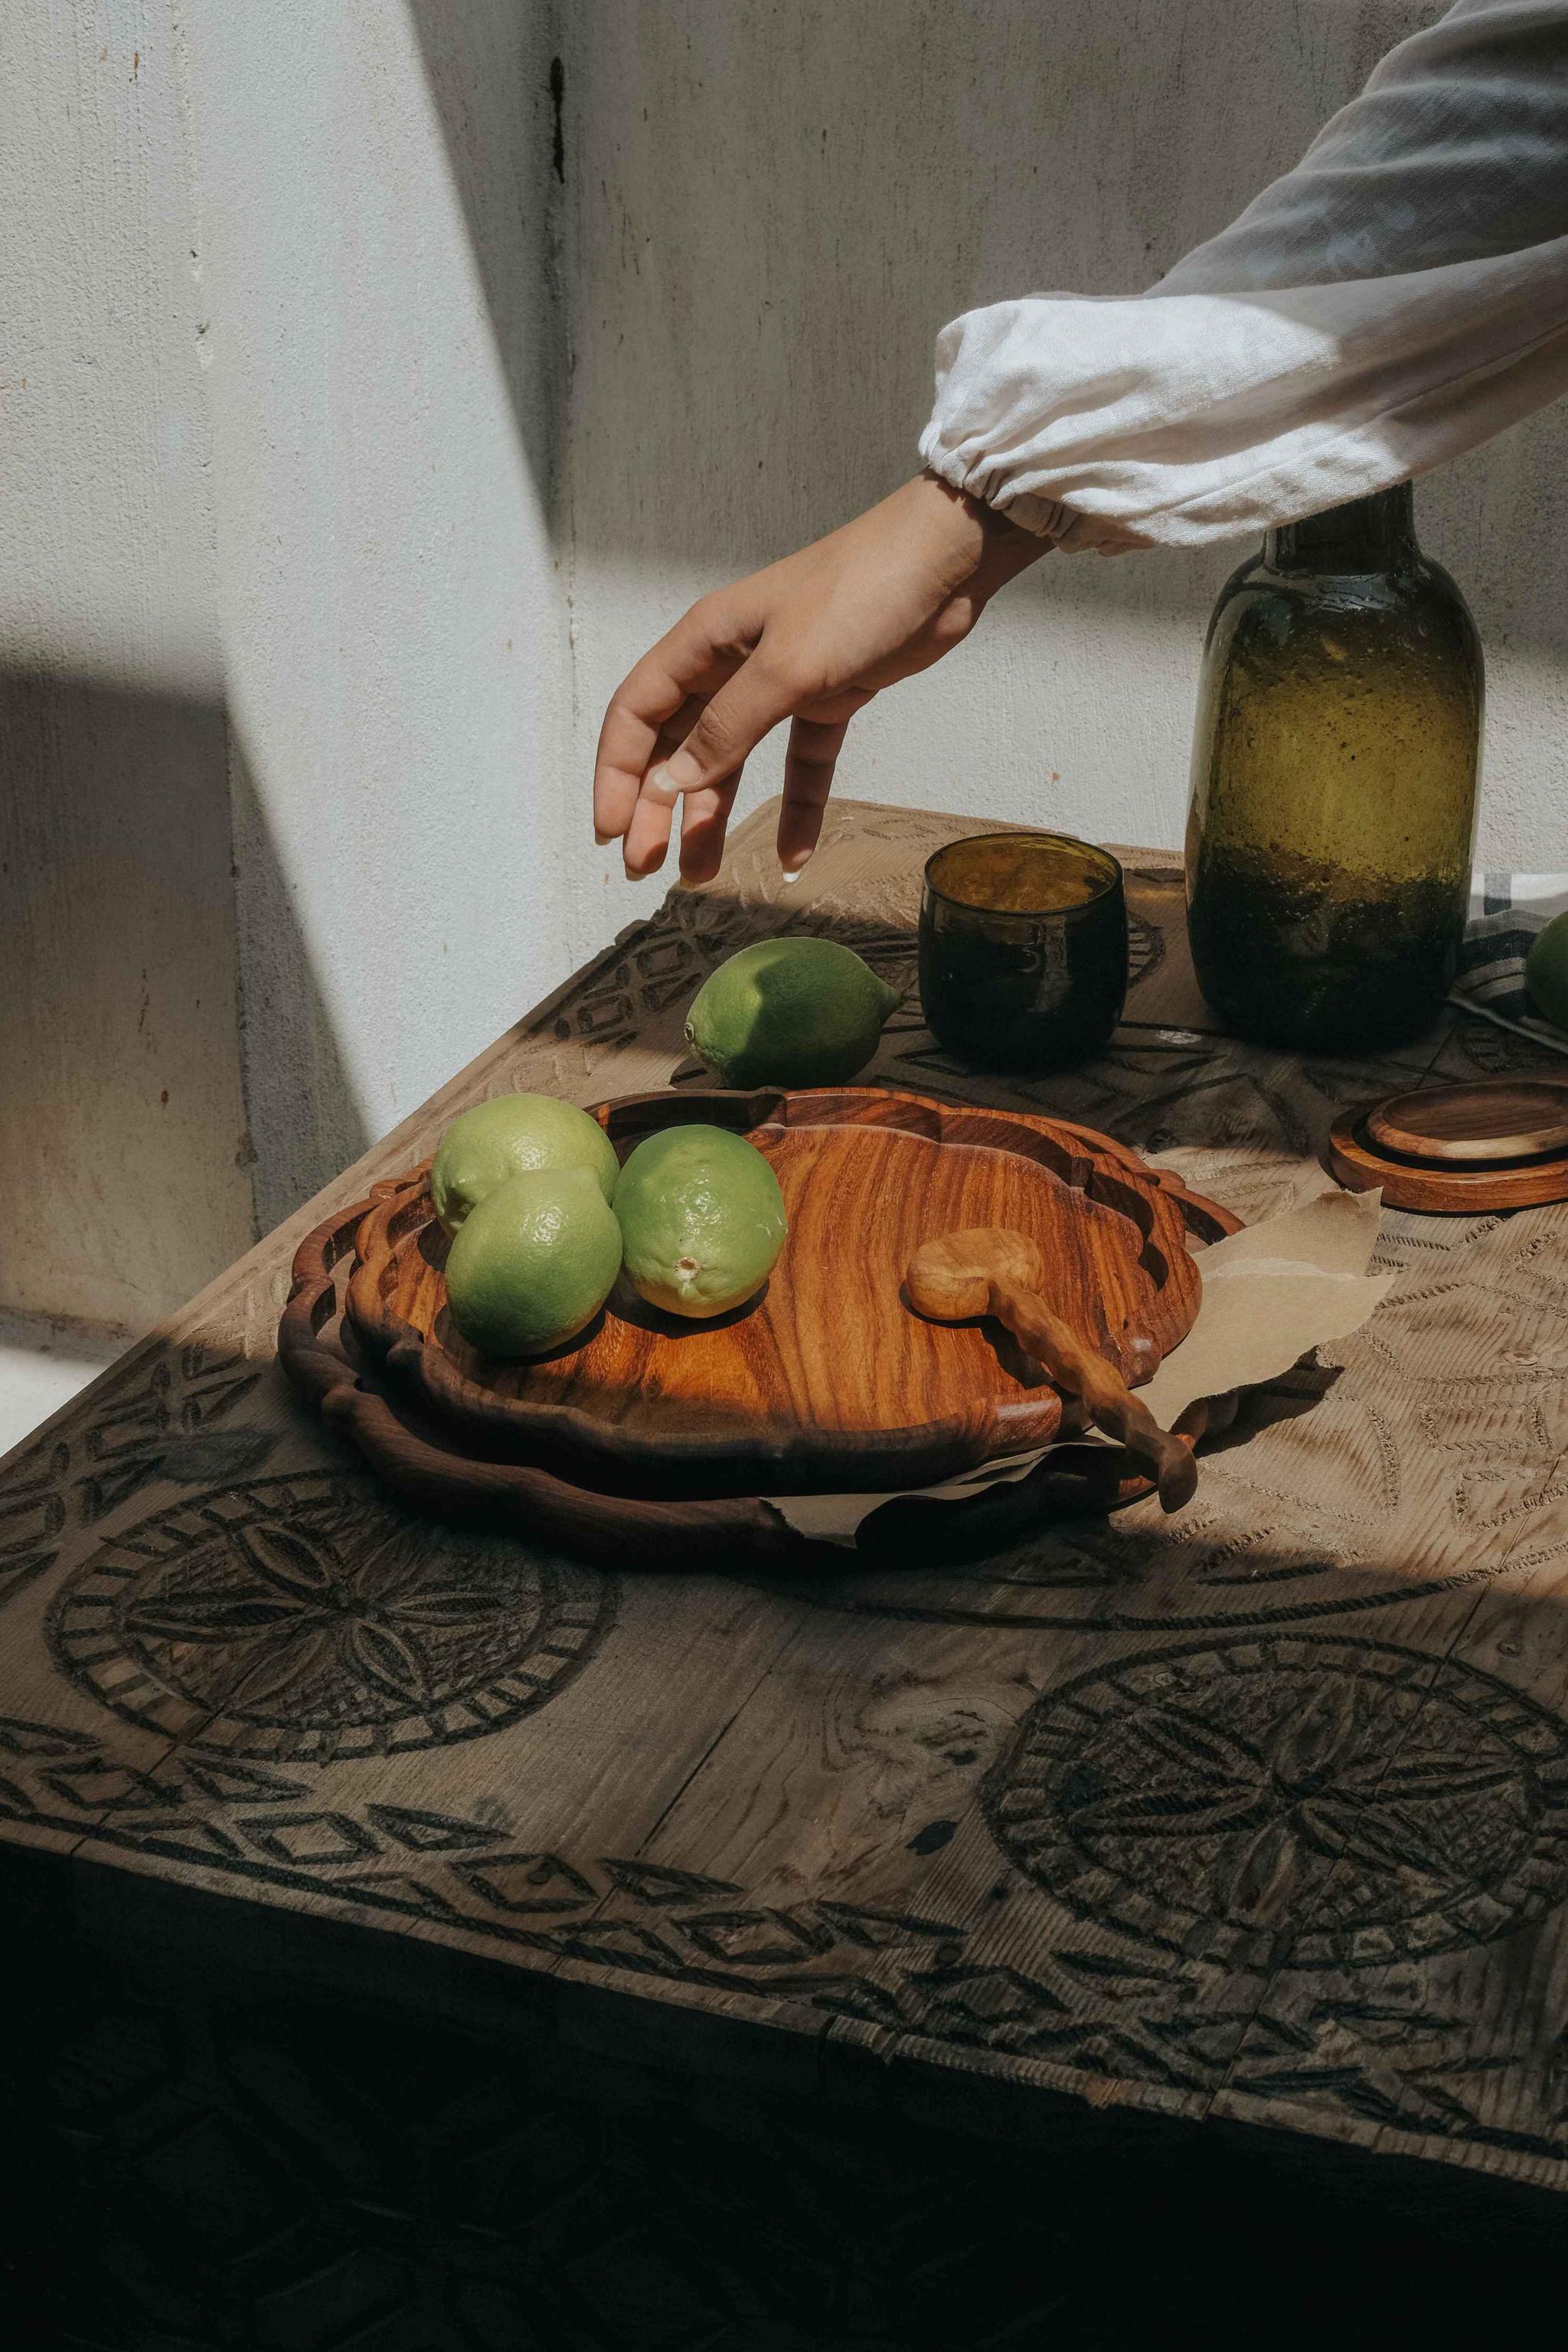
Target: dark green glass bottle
[1334, 773]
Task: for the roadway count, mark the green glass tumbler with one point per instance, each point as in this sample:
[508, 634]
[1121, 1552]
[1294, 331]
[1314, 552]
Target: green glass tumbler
[1023, 949]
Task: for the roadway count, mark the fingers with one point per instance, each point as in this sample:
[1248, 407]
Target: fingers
[708, 762]
[732, 724]
[647, 831]
[704, 814]
[628, 739]
[813, 748]
[706, 647]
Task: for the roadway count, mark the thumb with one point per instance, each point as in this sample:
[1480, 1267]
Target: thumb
[732, 725]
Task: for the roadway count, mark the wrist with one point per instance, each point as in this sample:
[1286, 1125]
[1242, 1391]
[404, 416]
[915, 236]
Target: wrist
[981, 539]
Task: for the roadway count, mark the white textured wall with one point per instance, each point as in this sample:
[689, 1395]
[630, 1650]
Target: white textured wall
[371, 183]
[120, 1114]
[282, 646]
[775, 207]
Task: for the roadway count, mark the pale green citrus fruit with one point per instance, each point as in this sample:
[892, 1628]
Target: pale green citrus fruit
[534, 1262]
[701, 1218]
[789, 1013]
[509, 1136]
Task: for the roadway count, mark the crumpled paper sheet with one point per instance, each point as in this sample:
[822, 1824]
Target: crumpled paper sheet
[1271, 1292]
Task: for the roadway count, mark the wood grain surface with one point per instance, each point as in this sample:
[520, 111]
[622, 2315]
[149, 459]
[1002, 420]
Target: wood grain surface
[1493, 1119]
[1252, 1820]
[829, 1379]
[1440, 1183]
[419, 1458]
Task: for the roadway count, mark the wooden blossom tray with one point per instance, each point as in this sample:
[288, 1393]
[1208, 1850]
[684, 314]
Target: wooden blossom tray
[415, 1457]
[827, 1382]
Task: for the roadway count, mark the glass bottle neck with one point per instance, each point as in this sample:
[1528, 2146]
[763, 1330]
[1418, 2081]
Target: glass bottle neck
[1366, 535]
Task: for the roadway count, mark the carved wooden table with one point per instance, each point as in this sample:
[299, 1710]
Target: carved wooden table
[428, 1941]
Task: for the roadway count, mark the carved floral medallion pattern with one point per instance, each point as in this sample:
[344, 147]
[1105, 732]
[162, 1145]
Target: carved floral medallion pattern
[306, 1615]
[1317, 1803]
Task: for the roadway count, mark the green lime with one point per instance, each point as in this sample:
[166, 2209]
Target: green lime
[534, 1262]
[508, 1136]
[789, 1013]
[1546, 971]
[701, 1217]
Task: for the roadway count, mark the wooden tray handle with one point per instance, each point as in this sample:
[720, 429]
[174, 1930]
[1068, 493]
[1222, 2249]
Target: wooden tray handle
[1112, 1406]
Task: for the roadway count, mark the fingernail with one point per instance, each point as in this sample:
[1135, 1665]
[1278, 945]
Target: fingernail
[792, 877]
[675, 776]
[603, 838]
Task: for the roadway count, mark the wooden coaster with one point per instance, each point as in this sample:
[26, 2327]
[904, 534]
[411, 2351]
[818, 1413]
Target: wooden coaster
[1492, 1143]
[1480, 1121]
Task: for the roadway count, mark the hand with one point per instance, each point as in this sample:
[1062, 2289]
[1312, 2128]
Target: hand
[810, 639]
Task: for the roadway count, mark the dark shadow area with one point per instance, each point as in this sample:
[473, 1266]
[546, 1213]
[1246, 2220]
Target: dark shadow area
[495, 81]
[493, 1372]
[231, 2125]
[631, 1306]
[155, 982]
[304, 1122]
[1286, 1399]
[1053, 1552]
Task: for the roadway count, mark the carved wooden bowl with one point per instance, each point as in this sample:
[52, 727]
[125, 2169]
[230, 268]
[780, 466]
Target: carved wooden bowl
[828, 1381]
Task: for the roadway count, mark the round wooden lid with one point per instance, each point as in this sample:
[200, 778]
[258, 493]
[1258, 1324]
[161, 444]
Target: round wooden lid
[1483, 1120]
[1492, 1143]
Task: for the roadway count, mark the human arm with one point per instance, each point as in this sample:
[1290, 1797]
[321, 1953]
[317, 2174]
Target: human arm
[810, 639]
[1398, 298]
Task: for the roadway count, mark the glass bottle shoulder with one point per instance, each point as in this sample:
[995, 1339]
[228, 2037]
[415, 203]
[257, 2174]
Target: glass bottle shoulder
[1262, 611]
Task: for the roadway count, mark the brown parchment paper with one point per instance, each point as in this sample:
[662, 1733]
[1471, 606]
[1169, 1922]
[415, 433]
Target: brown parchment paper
[1272, 1293]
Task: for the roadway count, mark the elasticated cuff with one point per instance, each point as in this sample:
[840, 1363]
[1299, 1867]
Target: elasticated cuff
[1075, 534]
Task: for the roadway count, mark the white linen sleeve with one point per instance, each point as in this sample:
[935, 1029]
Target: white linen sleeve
[1398, 298]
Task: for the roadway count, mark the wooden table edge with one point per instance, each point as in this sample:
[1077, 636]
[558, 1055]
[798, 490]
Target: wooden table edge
[598, 2009]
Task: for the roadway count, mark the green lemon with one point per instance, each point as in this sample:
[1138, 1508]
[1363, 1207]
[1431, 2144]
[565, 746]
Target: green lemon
[789, 1013]
[508, 1136]
[701, 1217]
[534, 1262]
[1546, 971]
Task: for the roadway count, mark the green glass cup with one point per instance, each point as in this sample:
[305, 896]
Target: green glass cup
[1023, 949]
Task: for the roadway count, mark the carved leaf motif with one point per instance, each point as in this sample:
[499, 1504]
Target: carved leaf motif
[1202, 1811]
[1256, 1878]
[383, 1657]
[213, 1616]
[287, 1563]
[272, 1667]
[1315, 1736]
[1183, 1737]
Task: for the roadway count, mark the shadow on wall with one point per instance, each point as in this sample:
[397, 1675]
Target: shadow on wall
[302, 1113]
[766, 214]
[128, 1169]
[490, 65]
